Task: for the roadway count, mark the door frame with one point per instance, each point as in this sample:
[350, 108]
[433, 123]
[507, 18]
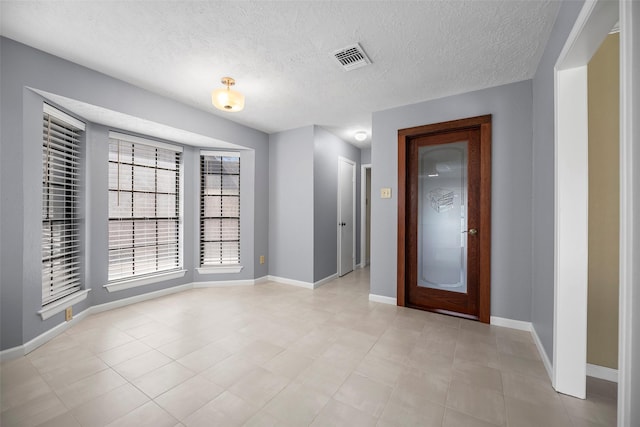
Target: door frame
[363, 214]
[571, 193]
[353, 215]
[483, 123]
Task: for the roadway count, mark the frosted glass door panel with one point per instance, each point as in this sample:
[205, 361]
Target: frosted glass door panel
[442, 216]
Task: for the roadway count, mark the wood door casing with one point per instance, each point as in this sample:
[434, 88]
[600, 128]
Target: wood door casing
[482, 125]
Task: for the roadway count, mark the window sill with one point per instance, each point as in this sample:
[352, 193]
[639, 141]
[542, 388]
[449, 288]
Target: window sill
[62, 304]
[142, 281]
[220, 269]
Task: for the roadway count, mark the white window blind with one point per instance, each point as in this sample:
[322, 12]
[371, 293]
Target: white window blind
[60, 205]
[144, 207]
[219, 209]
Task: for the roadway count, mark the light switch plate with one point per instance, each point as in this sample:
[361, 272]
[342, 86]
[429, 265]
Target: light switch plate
[385, 193]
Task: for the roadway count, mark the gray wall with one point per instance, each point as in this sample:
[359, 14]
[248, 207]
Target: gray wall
[542, 295]
[291, 204]
[365, 156]
[20, 283]
[511, 107]
[327, 148]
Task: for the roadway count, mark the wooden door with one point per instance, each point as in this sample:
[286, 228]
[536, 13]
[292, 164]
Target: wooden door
[445, 218]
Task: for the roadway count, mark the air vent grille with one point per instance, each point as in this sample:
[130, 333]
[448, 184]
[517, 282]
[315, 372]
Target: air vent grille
[351, 57]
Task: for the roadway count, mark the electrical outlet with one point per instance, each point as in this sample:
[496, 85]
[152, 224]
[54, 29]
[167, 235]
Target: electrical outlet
[68, 314]
[385, 193]
[261, 259]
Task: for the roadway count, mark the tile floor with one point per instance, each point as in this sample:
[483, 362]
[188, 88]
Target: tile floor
[277, 355]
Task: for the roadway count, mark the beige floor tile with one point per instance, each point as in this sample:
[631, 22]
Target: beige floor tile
[527, 350]
[33, 411]
[203, 358]
[260, 352]
[414, 388]
[425, 360]
[380, 370]
[597, 409]
[181, 347]
[103, 339]
[263, 419]
[259, 386]
[602, 388]
[164, 378]
[147, 415]
[73, 372]
[520, 365]
[425, 415]
[364, 394]
[109, 407]
[481, 403]
[324, 376]
[229, 371]
[526, 414]
[225, 410]
[90, 387]
[454, 418]
[141, 364]
[337, 414]
[477, 375]
[184, 399]
[297, 404]
[14, 392]
[65, 419]
[529, 389]
[123, 353]
[288, 363]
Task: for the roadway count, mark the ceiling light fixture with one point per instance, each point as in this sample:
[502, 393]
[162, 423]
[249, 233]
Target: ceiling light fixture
[226, 99]
[360, 136]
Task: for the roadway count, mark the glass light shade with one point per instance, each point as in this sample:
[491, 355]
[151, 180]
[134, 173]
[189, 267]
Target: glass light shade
[227, 99]
[360, 136]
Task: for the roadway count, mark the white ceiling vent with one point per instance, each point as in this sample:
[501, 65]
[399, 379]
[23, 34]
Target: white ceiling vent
[351, 57]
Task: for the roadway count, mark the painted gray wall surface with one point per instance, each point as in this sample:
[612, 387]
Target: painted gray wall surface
[23, 67]
[365, 156]
[511, 107]
[327, 148]
[542, 289]
[291, 204]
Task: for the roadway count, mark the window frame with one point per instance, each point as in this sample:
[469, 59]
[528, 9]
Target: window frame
[221, 267]
[133, 280]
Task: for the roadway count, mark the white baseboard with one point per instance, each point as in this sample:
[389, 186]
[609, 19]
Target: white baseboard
[292, 282]
[11, 353]
[139, 298]
[382, 299]
[510, 323]
[263, 279]
[602, 372]
[325, 280]
[543, 354]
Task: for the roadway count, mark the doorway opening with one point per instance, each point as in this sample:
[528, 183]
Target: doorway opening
[365, 215]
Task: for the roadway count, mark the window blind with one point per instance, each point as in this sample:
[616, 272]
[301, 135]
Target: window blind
[60, 205]
[144, 207]
[219, 209]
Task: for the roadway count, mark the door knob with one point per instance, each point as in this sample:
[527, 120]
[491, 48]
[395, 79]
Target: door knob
[473, 231]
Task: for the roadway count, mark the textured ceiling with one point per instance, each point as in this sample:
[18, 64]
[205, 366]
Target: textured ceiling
[280, 52]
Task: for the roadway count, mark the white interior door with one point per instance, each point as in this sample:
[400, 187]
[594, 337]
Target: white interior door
[346, 216]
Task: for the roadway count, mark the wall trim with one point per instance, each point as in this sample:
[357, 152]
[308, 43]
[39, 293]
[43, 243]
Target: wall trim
[47, 336]
[383, 299]
[602, 372]
[292, 282]
[11, 353]
[510, 323]
[263, 279]
[325, 280]
[139, 298]
[143, 281]
[543, 354]
[62, 304]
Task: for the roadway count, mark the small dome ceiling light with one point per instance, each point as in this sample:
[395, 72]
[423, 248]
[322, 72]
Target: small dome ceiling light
[226, 99]
[360, 136]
